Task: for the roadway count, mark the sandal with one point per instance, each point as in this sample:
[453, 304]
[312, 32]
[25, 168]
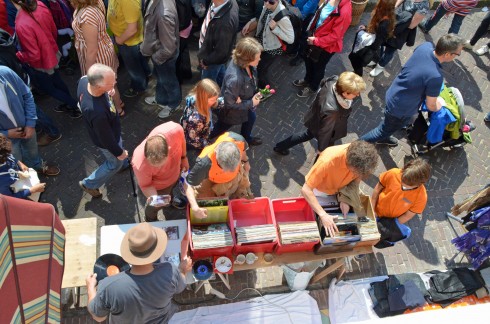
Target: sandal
[121, 112]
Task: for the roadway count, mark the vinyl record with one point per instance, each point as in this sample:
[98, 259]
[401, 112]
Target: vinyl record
[202, 269]
[108, 265]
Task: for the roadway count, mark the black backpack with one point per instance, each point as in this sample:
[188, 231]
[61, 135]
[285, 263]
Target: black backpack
[296, 20]
[184, 11]
[8, 57]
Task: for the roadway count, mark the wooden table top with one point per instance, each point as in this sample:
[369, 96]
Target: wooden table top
[80, 250]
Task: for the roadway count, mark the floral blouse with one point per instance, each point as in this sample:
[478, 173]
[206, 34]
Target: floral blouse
[196, 129]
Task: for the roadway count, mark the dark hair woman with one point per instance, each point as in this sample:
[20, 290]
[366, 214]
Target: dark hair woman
[37, 35]
[382, 25]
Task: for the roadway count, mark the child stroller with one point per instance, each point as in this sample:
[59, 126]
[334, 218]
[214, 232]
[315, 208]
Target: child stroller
[446, 128]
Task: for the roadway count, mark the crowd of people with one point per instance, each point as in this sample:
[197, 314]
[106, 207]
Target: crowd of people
[238, 43]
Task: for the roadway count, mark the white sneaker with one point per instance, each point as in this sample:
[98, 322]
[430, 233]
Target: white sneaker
[376, 71]
[371, 64]
[482, 50]
[467, 45]
[151, 100]
[165, 112]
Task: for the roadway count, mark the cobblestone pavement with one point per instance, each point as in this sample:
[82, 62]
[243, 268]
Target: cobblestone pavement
[457, 173]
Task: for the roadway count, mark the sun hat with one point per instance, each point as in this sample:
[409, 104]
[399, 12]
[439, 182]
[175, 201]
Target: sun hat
[143, 244]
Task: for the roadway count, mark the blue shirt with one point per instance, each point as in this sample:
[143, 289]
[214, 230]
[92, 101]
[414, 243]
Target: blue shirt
[420, 77]
[307, 7]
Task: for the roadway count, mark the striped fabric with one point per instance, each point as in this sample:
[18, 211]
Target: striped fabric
[205, 24]
[459, 7]
[95, 16]
[30, 287]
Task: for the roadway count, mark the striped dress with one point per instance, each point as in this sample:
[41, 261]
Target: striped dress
[459, 7]
[94, 15]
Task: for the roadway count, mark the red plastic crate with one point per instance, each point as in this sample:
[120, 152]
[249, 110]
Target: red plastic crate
[205, 253]
[249, 212]
[293, 210]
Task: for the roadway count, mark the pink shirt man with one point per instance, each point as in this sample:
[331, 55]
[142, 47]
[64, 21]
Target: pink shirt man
[151, 178]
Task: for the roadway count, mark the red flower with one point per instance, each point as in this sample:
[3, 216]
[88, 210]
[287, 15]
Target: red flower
[273, 91]
[267, 86]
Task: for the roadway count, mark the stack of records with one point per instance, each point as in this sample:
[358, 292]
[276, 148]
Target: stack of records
[211, 236]
[256, 234]
[369, 230]
[298, 232]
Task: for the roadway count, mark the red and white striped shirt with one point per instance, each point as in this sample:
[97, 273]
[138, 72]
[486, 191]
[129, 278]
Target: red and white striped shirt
[459, 7]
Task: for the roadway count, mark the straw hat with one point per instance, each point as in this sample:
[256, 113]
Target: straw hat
[143, 244]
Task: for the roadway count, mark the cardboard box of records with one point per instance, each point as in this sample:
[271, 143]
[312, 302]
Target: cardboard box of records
[354, 231]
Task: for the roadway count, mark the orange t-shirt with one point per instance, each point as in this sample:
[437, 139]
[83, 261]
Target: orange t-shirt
[330, 172]
[393, 201]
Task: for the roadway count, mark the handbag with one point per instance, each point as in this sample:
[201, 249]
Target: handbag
[313, 53]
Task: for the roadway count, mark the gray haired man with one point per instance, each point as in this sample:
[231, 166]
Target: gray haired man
[221, 170]
[102, 123]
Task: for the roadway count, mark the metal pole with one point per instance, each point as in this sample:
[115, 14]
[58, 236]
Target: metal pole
[449, 215]
[135, 195]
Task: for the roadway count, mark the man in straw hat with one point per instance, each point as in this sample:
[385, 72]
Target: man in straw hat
[144, 293]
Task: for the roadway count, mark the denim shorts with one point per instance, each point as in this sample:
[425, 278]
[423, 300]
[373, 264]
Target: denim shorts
[422, 7]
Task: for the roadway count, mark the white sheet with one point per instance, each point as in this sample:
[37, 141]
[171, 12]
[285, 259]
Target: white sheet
[300, 306]
[349, 301]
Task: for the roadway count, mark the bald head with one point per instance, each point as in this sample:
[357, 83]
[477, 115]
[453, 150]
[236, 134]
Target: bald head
[156, 150]
[97, 73]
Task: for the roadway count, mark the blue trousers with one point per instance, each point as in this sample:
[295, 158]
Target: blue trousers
[215, 73]
[137, 66]
[167, 91]
[438, 14]
[388, 126]
[25, 150]
[105, 171]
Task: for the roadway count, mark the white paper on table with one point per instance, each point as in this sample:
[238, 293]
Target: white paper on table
[27, 183]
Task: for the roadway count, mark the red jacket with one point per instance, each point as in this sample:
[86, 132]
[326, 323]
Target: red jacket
[37, 38]
[4, 18]
[330, 35]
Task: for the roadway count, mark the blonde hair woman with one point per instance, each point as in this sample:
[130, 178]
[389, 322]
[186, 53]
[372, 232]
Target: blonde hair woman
[196, 119]
[92, 42]
[240, 91]
[327, 118]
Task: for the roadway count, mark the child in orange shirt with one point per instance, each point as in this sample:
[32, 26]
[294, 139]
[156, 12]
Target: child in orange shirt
[399, 195]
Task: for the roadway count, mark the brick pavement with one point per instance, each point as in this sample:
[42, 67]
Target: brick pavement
[456, 174]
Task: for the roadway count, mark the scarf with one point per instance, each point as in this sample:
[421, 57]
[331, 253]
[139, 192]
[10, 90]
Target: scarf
[344, 103]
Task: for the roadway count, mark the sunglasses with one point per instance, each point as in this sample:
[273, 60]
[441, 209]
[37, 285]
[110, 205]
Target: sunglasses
[271, 2]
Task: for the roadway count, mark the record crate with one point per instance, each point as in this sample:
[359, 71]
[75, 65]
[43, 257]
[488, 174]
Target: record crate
[293, 210]
[249, 212]
[216, 214]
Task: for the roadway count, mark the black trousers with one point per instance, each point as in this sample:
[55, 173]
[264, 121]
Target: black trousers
[482, 29]
[357, 63]
[294, 139]
[315, 71]
[265, 63]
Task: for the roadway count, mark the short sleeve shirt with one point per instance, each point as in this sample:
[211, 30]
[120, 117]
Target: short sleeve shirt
[166, 175]
[330, 173]
[120, 13]
[420, 77]
[130, 299]
[393, 201]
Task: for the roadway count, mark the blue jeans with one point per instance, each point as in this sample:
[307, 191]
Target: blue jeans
[438, 14]
[386, 54]
[215, 73]
[386, 128]
[105, 171]
[45, 124]
[246, 130]
[137, 66]
[25, 150]
[53, 85]
[167, 91]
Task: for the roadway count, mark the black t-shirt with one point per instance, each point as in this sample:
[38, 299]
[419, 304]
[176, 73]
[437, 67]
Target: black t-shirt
[101, 119]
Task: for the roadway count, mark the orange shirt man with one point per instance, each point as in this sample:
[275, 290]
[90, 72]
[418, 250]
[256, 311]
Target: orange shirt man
[337, 166]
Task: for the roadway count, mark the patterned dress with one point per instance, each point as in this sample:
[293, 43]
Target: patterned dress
[196, 128]
[95, 16]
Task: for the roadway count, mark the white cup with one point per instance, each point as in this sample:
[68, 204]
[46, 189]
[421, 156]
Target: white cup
[251, 258]
[240, 259]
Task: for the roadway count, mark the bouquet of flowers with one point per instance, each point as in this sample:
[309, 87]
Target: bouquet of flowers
[266, 92]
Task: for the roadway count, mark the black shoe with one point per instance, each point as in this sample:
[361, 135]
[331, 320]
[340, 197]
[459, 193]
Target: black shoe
[305, 92]
[422, 26]
[179, 201]
[255, 141]
[281, 152]
[300, 83]
[62, 108]
[75, 113]
[383, 244]
[295, 61]
[390, 141]
[130, 93]
[487, 118]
